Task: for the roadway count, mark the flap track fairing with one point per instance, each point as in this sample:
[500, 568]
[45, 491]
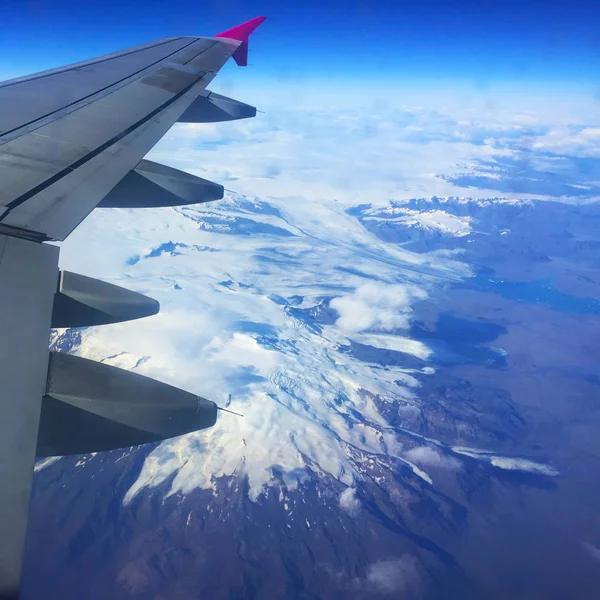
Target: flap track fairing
[92, 407]
[152, 185]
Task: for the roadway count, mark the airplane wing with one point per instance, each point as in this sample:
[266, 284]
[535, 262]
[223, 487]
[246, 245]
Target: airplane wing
[73, 139]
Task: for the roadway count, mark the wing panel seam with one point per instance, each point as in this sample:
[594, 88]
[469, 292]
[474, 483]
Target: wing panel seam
[90, 62]
[115, 83]
[84, 159]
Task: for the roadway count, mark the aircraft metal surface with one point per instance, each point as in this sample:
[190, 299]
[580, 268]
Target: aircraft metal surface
[73, 139]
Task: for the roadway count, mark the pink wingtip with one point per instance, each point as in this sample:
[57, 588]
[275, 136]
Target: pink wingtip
[242, 32]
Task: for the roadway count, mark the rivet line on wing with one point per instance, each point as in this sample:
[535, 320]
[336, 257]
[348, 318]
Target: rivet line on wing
[84, 159]
[99, 91]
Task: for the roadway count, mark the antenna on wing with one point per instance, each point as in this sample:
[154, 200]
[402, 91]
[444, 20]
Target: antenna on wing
[229, 411]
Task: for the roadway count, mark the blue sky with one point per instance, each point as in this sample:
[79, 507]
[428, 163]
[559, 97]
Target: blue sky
[366, 42]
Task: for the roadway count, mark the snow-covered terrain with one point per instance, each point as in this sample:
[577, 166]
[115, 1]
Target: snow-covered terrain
[433, 219]
[377, 322]
[257, 309]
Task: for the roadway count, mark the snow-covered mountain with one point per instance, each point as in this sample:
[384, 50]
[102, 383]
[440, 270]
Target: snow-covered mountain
[377, 425]
[415, 362]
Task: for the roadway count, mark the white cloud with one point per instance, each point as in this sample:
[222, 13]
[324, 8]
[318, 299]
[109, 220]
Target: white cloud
[506, 462]
[349, 502]
[396, 343]
[592, 550]
[521, 464]
[395, 576]
[569, 140]
[377, 307]
[428, 457]
[240, 349]
[387, 153]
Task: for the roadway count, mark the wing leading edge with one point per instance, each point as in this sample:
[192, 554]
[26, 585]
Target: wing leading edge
[71, 139]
